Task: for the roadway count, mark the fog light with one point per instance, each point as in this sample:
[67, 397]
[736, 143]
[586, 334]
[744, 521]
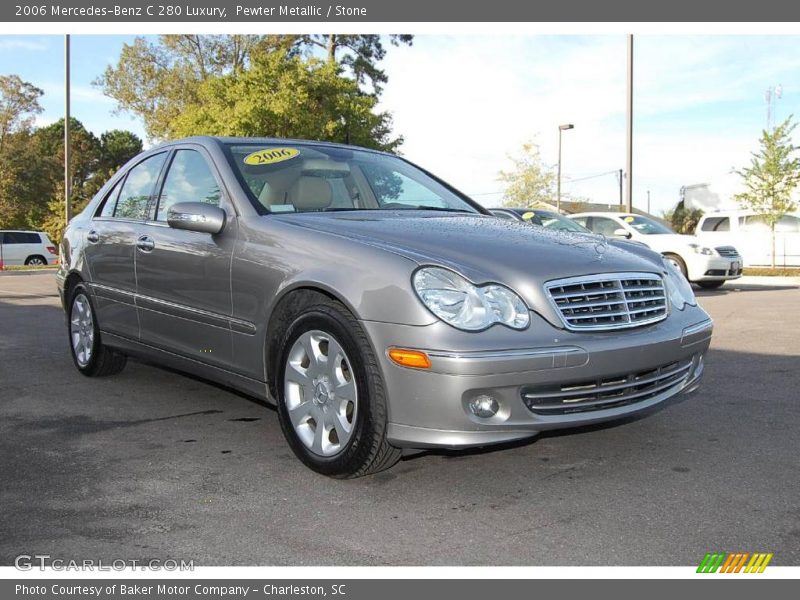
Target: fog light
[698, 368]
[484, 406]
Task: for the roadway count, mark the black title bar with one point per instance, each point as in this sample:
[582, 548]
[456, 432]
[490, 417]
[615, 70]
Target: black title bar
[255, 11]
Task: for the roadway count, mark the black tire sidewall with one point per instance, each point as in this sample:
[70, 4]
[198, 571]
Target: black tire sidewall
[91, 365]
[330, 320]
[681, 264]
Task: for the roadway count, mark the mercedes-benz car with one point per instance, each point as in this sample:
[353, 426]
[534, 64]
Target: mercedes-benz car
[378, 307]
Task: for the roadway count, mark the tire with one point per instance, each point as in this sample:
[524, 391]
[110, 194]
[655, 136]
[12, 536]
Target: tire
[36, 260]
[318, 400]
[91, 357]
[710, 285]
[678, 262]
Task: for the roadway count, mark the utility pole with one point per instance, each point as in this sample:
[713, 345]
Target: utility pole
[67, 137]
[648, 202]
[621, 177]
[629, 129]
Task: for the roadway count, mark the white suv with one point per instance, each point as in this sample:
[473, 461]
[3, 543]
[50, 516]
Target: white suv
[27, 248]
[707, 266]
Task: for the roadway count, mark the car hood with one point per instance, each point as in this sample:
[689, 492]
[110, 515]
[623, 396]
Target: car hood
[664, 242]
[483, 248]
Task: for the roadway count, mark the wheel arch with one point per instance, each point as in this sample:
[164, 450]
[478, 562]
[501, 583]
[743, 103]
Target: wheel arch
[287, 304]
[72, 279]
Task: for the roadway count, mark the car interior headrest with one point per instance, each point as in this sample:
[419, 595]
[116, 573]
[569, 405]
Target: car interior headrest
[311, 193]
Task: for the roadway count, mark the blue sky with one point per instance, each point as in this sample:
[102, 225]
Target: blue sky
[464, 102]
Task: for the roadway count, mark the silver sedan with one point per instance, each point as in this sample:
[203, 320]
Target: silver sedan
[375, 305]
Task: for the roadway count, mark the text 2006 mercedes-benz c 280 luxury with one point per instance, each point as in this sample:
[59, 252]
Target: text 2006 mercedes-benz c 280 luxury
[378, 307]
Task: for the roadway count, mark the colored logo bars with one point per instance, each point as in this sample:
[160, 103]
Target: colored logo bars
[734, 562]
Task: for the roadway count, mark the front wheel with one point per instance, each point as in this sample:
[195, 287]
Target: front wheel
[331, 397]
[679, 263]
[710, 285]
[91, 357]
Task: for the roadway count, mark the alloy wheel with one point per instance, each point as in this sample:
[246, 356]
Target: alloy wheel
[82, 329]
[320, 393]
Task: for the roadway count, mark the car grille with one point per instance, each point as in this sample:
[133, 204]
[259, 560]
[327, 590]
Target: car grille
[727, 251]
[608, 392]
[609, 301]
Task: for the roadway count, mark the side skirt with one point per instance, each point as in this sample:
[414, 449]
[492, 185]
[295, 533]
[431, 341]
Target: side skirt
[246, 385]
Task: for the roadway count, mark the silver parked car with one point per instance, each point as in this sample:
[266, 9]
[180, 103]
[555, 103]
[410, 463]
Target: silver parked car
[378, 307]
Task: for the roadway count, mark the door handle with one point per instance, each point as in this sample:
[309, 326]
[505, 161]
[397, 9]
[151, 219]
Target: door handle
[145, 243]
[92, 237]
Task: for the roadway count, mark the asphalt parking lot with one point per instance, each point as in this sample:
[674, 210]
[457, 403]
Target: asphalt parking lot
[153, 464]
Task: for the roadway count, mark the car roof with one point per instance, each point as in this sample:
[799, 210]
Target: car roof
[211, 140]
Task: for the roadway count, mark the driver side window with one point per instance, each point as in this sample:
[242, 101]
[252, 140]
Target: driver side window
[189, 179]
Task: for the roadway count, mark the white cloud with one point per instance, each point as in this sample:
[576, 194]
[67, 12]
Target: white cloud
[10, 43]
[79, 93]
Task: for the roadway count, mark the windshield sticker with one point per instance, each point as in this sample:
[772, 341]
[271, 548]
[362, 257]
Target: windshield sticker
[269, 156]
[528, 216]
[628, 219]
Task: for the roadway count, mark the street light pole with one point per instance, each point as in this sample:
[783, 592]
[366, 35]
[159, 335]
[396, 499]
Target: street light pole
[561, 128]
[629, 129]
[67, 137]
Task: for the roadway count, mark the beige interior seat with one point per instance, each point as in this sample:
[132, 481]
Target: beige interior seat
[310, 193]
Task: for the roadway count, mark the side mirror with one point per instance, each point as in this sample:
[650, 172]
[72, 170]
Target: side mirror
[623, 233]
[196, 216]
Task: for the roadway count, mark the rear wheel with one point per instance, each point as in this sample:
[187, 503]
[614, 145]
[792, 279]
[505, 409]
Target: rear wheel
[331, 398]
[91, 357]
[710, 285]
[36, 261]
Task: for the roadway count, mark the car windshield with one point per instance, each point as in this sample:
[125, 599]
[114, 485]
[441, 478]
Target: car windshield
[646, 226]
[552, 220]
[289, 178]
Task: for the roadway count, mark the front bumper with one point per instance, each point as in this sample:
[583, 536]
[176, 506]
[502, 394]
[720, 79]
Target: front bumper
[430, 408]
[715, 268]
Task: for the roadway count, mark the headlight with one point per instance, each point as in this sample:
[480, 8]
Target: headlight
[466, 306]
[698, 249]
[678, 288]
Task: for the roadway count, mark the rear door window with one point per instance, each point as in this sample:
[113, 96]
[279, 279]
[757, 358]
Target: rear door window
[21, 237]
[138, 188]
[110, 202]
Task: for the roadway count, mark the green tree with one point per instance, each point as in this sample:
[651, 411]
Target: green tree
[19, 104]
[285, 95]
[117, 147]
[682, 219]
[357, 53]
[160, 81]
[530, 182]
[21, 191]
[25, 182]
[772, 177]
